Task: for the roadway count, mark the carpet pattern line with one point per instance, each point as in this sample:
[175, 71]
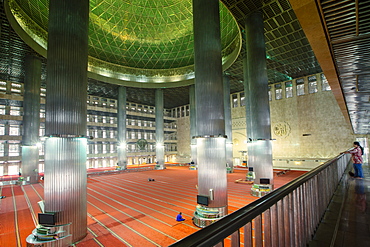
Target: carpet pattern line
[142, 205]
[120, 187]
[118, 210]
[19, 243]
[130, 228]
[37, 191]
[33, 215]
[109, 230]
[108, 188]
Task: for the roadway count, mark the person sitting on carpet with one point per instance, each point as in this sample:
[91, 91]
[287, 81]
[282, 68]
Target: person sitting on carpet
[179, 217]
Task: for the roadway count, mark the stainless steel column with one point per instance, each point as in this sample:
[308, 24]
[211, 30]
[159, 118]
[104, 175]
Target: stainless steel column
[228, 125]
[66, 110]
[31, 119]
[193, 127]
[121, 118]
[210, 122]
[159, 128]
[256, 91]
[6, 133]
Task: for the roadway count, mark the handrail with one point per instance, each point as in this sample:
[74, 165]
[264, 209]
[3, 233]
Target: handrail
[221, 229]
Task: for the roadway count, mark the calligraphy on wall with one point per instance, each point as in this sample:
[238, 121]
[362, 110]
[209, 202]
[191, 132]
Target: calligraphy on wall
[281, 129]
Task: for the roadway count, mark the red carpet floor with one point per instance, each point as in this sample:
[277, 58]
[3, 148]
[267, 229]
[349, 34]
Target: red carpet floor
[126, 209]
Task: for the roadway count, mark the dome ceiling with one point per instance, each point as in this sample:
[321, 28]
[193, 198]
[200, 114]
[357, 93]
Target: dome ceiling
[130, 41]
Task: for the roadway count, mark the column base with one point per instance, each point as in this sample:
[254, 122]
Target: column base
[28, 180]
[22, 182]
[260, 190]
[229, 170]
[159, 167]
[50, 236]
[193, 167]
[204, 216]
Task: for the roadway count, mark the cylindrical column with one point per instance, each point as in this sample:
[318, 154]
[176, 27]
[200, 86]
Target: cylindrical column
[8, 88]
[121, 118]
[258, 109]
[210, 122]
[31, 101]
[6, 132]
[5, 167]
[66, 110]
[159, 128]
[193, 127]
[228, 127]
[31, 119]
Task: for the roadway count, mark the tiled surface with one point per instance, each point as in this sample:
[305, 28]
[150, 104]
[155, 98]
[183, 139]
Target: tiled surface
[351, 203]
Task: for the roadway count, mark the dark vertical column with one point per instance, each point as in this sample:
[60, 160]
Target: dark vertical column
[6, 132]
[121, 118]
[8, 88]
[210, 122]
[6, 168]
[228, 127]
[256, 91]
[159, 128]
[31, 119]
[193, 127]
[66, 110]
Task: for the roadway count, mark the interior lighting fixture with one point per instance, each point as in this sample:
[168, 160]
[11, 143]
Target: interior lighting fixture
[122, 145]
[158, 145]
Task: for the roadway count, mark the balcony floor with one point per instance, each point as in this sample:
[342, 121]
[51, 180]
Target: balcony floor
[351, 202]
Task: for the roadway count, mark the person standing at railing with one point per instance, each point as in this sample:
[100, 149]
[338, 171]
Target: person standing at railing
[356, 153]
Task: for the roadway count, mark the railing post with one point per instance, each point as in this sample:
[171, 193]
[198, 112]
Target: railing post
[294, 219]
[280, 209]
[274, 226]
[317, 197]
[248, 235]
[258, 231]
[220, 244]
[286, 215]
[267, 224]
[301, 215]
[309, 203]
[235, 239]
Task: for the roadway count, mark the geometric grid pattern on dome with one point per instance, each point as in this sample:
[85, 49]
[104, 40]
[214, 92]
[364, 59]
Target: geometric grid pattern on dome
[130, 39]
[289, 55]
[148, 34]
[288, 52]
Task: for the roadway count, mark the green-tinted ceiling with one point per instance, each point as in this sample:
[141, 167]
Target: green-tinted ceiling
[136, 40]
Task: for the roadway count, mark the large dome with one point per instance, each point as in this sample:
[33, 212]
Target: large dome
[131, 41]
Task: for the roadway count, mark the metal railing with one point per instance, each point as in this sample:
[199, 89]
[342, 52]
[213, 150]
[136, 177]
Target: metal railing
[288, 216]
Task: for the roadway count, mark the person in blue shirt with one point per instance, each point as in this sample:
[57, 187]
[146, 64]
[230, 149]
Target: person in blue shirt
[179, 217]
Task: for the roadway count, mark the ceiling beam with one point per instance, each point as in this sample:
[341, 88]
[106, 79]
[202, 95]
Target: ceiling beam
[309, 17]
